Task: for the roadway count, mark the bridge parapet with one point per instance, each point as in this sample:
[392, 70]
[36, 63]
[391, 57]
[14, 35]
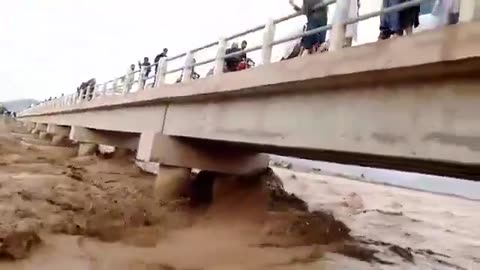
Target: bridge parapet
[120, 88]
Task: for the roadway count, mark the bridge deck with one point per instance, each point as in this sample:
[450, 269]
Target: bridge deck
[409, 103]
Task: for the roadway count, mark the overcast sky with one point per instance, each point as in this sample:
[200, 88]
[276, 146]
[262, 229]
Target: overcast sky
[47, 47]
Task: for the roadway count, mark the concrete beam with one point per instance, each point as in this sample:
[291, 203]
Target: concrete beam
[112, 138]
[128, 119]
[186, 153]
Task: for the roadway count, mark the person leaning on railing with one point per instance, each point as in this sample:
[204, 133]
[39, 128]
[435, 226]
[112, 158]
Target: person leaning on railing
[315, 18]
[231, 62]
[158, 57]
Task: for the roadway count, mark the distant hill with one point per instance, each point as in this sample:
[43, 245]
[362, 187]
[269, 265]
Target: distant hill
[18, 105]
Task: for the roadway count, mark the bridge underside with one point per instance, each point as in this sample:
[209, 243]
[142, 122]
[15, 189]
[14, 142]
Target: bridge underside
[420, 115]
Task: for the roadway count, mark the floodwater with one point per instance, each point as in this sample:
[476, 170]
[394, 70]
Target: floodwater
[64, 212]
[422, 182]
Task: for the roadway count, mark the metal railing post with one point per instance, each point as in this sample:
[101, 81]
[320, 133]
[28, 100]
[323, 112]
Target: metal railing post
[161, 71]
[141, 78]
[220, 62]
[187, 68]
[337, 35]
[268, 37]
[469, 10]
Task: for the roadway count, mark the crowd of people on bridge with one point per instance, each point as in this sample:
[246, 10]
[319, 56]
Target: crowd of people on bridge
[86, 89]
[232, 63]
[391, 24]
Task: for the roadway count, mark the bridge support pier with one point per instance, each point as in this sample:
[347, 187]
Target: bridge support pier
[90, 137]
[43, 135]
[60, 133]
[87, 149]
[171, 182]
[28, 126]
[39, 127]
[188, 153]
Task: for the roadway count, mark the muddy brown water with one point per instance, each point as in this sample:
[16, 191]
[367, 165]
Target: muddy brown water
[65, 212]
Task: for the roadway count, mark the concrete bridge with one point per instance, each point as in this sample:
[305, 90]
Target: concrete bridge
[408, 103]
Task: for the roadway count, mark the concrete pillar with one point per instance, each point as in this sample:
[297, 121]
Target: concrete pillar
[141, 78]
[146, 145]
[161, 71]
[29, 126]
[59, 140]
[337, 37]
[87, 149]
[43, 135]
[39, 127]
[116, 139]
[114, 85]
[187, 68]
[268, 37]
[469, 10]
[58, 130]
[105, 89]
[171, 182]
[220, 62]
[60, 133]
[215, 157]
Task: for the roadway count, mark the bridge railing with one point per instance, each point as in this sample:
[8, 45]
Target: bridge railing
[135, 81]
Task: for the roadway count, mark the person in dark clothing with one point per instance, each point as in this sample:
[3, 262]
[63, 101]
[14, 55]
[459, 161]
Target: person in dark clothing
[158, 57]
[231, 62]
[398, 23]
[82, 90]
[316, 18]
[90, 87]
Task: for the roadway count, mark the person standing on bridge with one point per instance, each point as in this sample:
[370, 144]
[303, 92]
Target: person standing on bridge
[231, 62]
[158, 57]
[400, 22]
[316, 18]
[145, 68]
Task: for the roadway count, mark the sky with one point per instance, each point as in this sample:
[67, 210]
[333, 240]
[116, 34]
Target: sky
[48, 47]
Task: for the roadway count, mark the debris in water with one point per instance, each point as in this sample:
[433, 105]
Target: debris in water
[17, 245]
